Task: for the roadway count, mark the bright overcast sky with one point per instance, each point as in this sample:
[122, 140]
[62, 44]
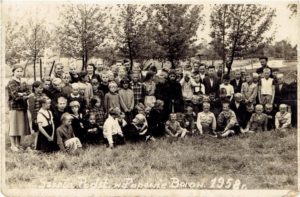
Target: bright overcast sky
[287, 28]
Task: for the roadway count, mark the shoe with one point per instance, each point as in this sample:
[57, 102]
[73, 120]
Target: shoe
[20, 147]
[14, 149]
[213, 135]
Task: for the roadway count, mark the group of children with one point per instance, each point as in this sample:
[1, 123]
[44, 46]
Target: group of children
[72, 109]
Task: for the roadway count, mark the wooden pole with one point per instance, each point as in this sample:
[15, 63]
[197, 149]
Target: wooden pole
[51, 68]
[41, 70]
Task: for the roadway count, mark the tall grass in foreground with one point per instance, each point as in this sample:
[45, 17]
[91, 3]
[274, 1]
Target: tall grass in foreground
[260, 161]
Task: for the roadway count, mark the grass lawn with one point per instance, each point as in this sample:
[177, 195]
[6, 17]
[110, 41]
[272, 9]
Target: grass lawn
[254, 161]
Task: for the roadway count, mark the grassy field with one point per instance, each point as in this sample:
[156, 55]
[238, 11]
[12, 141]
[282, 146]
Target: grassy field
[250, 161]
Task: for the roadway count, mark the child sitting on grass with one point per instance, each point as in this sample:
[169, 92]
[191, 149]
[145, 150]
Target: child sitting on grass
[189, 120]
[173, 127]
[112, 131]
[227, 123]
[258, 121]
[282, 118]
[206, 121]
[270, 112]
[93, 133]
[66, 139]
[78, 120]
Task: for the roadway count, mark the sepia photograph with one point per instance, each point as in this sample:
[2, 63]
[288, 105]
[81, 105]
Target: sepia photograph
[149, 98]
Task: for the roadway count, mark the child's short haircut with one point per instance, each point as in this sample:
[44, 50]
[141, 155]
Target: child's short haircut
[125, 80]
[283, 106]
[172, 115]
[226, 77]
[263, 58]
[66, 116]
[255, 75]
[267, 70]
[238, 95]
[268, 106]
[56, 81]
[44, 100]
[279, 75]
[211, 67]
[36, 84]
[75, 85]
[89, 115]
[74, 103]
[61, 98]
[206, 104]
[112, 84]
[259, 106]
[94, 100]
[115, 111]
[225, 104]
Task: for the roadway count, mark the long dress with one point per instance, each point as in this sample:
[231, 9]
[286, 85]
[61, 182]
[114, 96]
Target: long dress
[18, 108]
[43, 143]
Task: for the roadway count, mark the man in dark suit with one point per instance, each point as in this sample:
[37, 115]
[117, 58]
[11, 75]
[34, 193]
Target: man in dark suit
[239, 109]
[264, 61]
[212, 82]
[202, 72]
[237, 82]
[281, 92]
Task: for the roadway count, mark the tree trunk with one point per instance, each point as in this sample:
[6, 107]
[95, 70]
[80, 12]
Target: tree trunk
[86, 59]
[130, 55]
[41, 70]
[82, 68]
[34, 70]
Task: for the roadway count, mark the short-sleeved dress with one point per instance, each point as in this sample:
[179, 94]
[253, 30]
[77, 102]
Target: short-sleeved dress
[18, 115]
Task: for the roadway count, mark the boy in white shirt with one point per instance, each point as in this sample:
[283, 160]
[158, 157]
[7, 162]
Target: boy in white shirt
[228, 87]
[112, 131]
[266, 88]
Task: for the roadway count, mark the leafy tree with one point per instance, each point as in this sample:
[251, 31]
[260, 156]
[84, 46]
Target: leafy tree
[82, 30]
[13, 43]
[174, 29]
[26, 42]
[129, 29]
[239, 29]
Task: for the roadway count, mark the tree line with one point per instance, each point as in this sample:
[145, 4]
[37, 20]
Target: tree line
[145, 32]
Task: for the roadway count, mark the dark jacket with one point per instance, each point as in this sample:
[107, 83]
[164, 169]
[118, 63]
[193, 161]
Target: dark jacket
[216, 85]
[236, 86]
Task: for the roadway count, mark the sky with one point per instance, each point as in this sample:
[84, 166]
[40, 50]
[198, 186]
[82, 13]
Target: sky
[286, 27]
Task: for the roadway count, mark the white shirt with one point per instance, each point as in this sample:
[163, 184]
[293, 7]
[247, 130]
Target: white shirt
[229, 89]
[41, 119]
[111, 127]
[266, 86]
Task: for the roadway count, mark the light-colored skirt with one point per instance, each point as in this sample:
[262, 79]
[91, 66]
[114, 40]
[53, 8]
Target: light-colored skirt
[149, 101]
[18, 123]
[73, 144]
